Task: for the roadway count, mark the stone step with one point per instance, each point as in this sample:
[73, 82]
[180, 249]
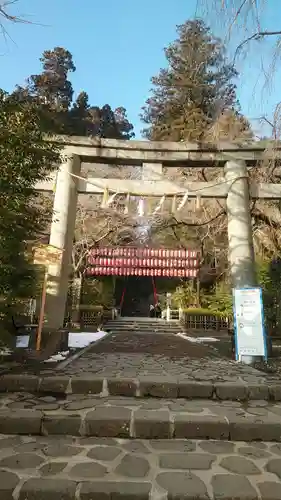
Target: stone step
[144, 386]
[142, 330]
[94, 469]
[136, 418]
[141, 326]
[145, 323]
[127, 326]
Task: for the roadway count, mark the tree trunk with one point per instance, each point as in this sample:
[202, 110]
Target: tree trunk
[76, 299]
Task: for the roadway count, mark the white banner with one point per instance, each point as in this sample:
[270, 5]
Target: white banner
[249, 322]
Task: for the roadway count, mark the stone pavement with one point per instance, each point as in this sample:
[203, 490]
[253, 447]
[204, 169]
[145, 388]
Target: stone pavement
[81, 415]
[139, 417]
[134, 355]
[150, 365]
[43, 468]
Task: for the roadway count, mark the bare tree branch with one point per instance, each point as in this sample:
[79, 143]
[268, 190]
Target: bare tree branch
[9, 17]
[256, 36]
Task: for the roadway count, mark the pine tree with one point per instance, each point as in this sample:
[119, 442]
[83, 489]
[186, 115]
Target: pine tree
[196, 87]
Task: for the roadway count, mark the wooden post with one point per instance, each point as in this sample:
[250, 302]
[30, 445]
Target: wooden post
[42, 312]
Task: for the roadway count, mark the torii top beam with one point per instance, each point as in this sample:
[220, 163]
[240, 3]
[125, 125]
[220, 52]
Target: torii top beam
[168, 153]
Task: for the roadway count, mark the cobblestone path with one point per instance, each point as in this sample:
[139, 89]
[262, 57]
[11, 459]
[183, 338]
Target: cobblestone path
[95, 469]
[141, 418]
[130, 355]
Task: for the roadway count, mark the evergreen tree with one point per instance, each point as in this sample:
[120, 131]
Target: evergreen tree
[52, 86]
[126, 129]
[79, 116]
[25, 159]
[194, 90]
[52, 92]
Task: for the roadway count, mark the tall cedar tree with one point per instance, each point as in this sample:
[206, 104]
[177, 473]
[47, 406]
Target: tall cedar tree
[52, 86]
[194, 90]
[53, 92]
[25, 159]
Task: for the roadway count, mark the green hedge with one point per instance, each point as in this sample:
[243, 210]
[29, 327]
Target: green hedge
[89, 307]
[204, 312]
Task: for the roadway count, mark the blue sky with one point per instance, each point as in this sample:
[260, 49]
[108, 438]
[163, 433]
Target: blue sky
[117, 47]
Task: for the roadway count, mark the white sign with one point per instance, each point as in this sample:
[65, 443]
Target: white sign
[22, 341]
[249, 322]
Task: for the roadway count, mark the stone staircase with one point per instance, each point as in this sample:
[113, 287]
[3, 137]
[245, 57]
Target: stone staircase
[80, 435]
[143, 325]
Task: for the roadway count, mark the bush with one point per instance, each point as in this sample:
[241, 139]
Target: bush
[204, 312]
[220, 299]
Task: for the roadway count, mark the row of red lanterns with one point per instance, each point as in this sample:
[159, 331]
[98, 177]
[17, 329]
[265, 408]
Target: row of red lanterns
[114, 271]
[135, 262]
[144, 252]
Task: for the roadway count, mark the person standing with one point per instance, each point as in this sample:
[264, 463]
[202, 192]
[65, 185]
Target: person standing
[151, 311]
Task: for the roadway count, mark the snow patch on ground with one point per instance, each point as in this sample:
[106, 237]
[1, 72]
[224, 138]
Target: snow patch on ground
[197, 340]
[77, 340]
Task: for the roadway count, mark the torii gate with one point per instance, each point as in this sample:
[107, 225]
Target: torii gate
[152, 157]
